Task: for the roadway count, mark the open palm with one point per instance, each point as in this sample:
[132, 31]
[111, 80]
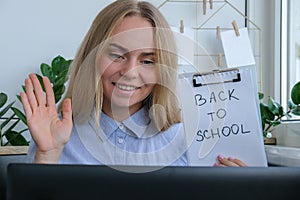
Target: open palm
[49, 131]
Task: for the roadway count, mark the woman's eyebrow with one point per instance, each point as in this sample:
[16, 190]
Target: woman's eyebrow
[124, 50]
[118, 47]
[148, 53]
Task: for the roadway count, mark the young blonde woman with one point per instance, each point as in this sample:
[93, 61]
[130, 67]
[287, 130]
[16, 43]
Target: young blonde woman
[121, 106]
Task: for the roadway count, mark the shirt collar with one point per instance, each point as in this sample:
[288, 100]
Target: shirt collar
[139, 125]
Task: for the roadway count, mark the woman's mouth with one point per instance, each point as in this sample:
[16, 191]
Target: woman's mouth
[125, 87]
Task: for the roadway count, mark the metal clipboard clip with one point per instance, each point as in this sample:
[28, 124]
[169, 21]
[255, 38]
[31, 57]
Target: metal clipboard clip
[228, 75]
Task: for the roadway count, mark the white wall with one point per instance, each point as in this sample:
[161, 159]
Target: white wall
[35, 31]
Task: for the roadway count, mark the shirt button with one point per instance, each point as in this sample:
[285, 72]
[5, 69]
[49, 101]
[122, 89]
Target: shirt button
[121, 126]
[120, 140]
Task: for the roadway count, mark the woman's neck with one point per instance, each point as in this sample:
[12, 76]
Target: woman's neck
[120, 113]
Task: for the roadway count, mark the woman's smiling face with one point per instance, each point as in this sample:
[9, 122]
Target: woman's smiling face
[128, 68]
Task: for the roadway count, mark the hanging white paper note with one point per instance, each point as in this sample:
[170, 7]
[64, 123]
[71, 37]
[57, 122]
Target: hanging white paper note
[237, 49]
[185, 45]
[221, 117]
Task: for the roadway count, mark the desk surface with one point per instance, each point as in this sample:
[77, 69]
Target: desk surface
[13, 150]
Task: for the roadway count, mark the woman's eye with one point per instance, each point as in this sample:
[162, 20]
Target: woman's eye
[147, 62]
[116, 56]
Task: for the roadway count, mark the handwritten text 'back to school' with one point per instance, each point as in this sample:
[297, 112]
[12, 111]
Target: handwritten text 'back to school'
[233, 129]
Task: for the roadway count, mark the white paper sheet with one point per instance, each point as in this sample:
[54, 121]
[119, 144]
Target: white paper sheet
[237, 49]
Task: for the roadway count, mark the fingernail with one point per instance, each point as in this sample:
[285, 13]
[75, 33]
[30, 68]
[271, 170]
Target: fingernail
[231, 158]
[220, 157]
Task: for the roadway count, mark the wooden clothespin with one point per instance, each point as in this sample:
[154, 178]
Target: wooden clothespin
[219, 60]
[218, 33]
[236, 28]
[204, 7]
[211, 4]
[181, 26]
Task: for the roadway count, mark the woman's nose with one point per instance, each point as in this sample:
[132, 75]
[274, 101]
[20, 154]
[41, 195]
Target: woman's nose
[130, 69]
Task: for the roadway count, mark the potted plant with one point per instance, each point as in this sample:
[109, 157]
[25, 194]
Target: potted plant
[11, 116]
[272, 112]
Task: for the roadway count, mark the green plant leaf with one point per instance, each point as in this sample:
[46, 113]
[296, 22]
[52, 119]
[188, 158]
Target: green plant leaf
[16, 139]
[20, 115]
[13, 125]
[69, 62]
[295, 93]
[40, 78]
[265, 133]
[280, 111]
[24, 88]
[6, 121]
[60, 80]
[58, 64]
[261, 95]
[47, 71]
[291, 104]
[266, 115]
[3, 99]
[4, 110]
[59, 90]
[296, 110]
[265, 112]
[263, 123]
[275, 107]
[19, 98]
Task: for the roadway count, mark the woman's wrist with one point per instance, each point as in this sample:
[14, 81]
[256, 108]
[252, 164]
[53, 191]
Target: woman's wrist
[49, 157]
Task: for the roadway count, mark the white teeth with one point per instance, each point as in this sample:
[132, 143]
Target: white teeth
[125, 87]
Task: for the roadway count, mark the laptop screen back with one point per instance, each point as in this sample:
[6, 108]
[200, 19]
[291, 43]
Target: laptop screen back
[32, 181]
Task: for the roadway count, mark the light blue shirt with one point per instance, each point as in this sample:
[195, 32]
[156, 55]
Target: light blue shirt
[135, 141]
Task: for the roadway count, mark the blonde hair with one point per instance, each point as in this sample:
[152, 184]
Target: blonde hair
[85, 87]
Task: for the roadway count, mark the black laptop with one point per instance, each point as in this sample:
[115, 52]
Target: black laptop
[32, 181]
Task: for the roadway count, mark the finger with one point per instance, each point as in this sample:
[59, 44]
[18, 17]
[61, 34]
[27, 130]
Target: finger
[50, 99]
[26, 105]
[30, 94]
[67, 111]
[238, 162]
[226, 162]
[38, 91]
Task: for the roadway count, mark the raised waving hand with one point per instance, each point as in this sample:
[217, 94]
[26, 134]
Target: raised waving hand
[48, 130]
